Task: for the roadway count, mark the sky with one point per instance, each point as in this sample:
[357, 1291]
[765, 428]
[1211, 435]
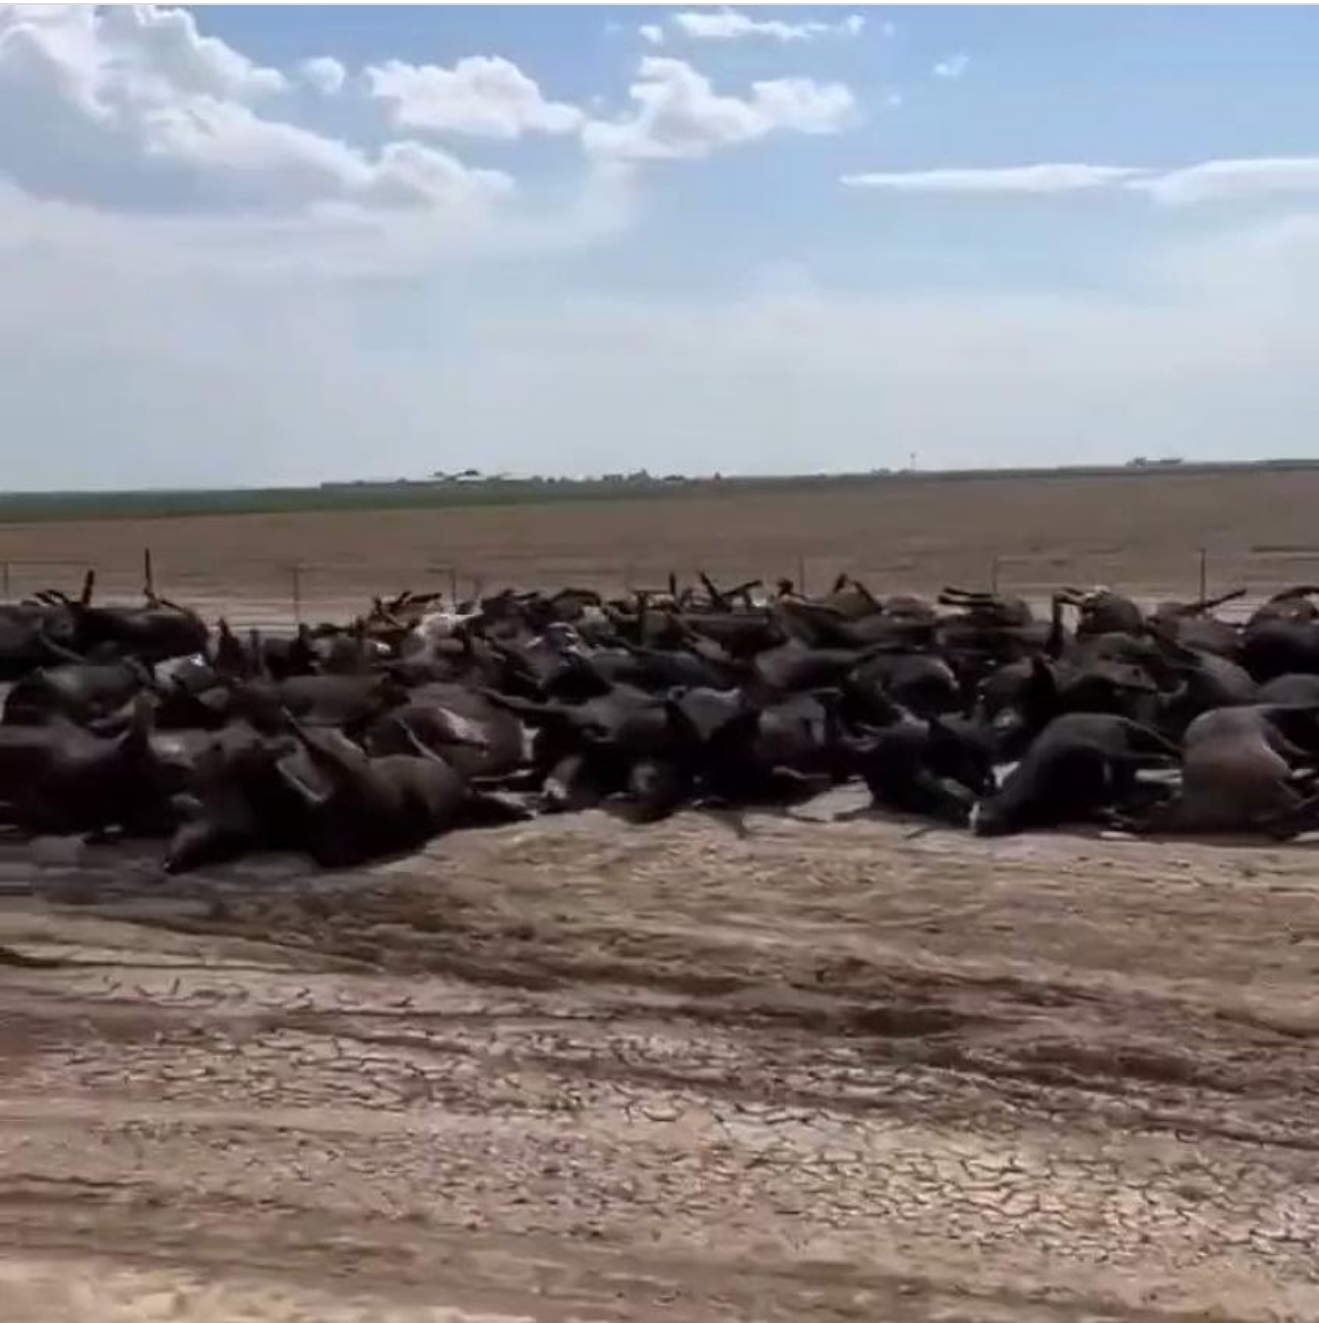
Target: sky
[258, 245]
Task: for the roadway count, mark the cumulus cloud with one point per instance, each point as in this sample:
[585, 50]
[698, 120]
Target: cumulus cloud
[653, 33]
[132, 110]
[259, 164]
[680, 115]
[324, 74]
[486, 96]
[1209, 181]
[952, 67]
[729, 25]
[1018, 179]
[142, 42]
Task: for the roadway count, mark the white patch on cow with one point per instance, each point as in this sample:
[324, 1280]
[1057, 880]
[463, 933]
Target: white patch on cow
[172, 666]
[466, 729]
[435, 626]
[1002, 771]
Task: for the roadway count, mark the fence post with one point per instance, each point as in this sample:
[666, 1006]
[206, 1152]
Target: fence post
[148, 573]
[6, 580]
[801, 574]
[453, 587]
[1204, 573]
[297, 592]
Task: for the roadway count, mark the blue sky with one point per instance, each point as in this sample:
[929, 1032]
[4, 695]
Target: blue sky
[258, 244]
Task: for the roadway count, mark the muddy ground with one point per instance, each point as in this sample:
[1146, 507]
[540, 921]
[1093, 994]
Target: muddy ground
[715, 1069]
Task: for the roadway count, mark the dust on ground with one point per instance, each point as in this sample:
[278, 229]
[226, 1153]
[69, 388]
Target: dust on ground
[721, 1068]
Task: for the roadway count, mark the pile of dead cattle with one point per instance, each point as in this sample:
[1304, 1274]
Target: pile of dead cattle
[351, 742]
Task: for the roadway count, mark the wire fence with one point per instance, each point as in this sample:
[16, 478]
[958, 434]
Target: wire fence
[277, 595]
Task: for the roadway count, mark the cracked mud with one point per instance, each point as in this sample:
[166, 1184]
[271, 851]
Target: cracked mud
[769, 1069]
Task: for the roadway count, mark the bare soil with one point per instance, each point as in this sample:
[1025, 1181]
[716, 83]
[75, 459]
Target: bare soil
[721, 1068]
[1143, 533]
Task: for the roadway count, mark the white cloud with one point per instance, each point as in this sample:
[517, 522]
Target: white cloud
[333, 243]
[680, 115]
[1229, 179]
[803, 105]
[653, 33]
[324, 74]
[106, 57]
[131, 110]
[952, 67]
[729, 25]
[482, 95]
[1019, 179]
[1209, 181]
[259, 164]
[145, 42]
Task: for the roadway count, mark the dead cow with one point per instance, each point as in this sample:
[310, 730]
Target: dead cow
[1240, 771]
[1079, 768]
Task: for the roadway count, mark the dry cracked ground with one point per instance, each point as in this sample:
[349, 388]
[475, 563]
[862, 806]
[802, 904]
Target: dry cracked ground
[768, 1068]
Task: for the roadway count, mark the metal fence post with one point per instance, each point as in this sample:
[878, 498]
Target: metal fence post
[453, 586]
[1204, 573]
[297, 592]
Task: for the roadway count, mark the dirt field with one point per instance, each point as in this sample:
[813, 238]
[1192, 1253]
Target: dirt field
[777, 1068]
[1143, 533]
[772, 1069]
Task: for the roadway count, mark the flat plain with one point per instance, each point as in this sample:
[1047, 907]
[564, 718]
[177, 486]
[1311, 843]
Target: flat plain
[1143, 532]
[818, 1065]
